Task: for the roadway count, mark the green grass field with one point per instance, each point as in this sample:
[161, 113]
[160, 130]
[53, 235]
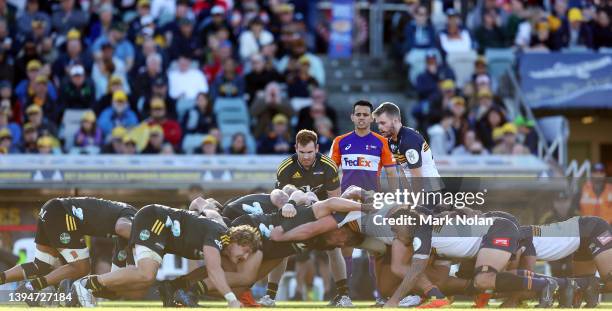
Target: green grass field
[155, 306]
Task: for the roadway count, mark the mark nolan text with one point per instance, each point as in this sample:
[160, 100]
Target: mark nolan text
[447, 220]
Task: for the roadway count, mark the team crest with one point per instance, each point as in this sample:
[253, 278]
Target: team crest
[64, 238]
[144, 235]
[412, 156]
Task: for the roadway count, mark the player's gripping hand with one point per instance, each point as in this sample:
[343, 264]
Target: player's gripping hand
[288, 211]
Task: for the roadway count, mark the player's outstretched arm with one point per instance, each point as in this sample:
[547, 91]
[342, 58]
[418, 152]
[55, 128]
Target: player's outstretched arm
[331, 205]
[212, 256]
[417, 267]
[305, 231]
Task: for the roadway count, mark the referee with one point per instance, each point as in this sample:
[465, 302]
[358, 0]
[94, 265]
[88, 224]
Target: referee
[310, 170]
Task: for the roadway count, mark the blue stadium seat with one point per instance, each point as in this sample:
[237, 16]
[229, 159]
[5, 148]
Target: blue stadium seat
[182, 106]
[499, 60]
[191, 142]
[233, 105]
[462, 64]
[71, 122]
[250, 142]
[415, 59]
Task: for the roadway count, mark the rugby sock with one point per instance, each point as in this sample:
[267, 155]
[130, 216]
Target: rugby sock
[561, 281]
[271, 290]
[94, 284]
[2, 278]
[348, 260]
[372, 272]
[342, 288]
[39, 283]
[434, 292]
[508, 282]
[200, 288]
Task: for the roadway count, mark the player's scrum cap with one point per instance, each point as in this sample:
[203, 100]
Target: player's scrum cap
[119, 132]
[279, 119]
[5, 133]
[33, 65]
[119, 96]
[89, 116]
[32, 109]
[209, 139]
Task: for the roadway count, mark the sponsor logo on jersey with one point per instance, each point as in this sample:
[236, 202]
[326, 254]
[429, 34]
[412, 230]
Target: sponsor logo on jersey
[122, 255]
[254, 209]
[42, 214]
[158, 226]
[604, 238]
[296, 175]
[176, 228]
[412, 156]
[74, 254]
[144, 235]
[416, 243]
[77, 212]
[219, 244]
[64, 238]
[70, 223]
[359, 161]
[503, 242]
[347, 147]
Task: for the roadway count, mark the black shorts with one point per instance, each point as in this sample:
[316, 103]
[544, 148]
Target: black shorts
[504, 215]
[122, 253]
[57, 228]
[595, 237]
[502, 235]
[143, 229]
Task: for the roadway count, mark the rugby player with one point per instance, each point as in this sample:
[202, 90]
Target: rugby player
[362, 154]
[411, 151]
[311, 171]
[61, 252]
[159, 230]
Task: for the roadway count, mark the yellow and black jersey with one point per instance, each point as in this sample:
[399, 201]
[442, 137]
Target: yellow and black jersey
[321, 177]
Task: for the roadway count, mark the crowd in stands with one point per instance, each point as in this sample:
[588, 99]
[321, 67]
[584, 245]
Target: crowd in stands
[464, 114]
[140, 76]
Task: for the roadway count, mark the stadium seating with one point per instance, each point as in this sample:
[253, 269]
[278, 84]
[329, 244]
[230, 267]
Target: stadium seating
[499, 61]
[191, 142]
[71, 123]
[415, 59]
[462, 64]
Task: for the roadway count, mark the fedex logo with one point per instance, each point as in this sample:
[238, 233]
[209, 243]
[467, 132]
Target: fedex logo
[359, 161]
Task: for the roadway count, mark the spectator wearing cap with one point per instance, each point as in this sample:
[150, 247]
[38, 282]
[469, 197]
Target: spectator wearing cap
[209, 145]
[9, 101]
[185, 82]
[460, 122]
[115, 144]
[115, 84]
[454, 38]
[298, 51]
[156, 140]
[30, 137]
[12, 127]
[123, 48]
[172, 129]
[509, 143]
[185, 41]
[259, 76]
[6, 141]
[494, 118]
[119, 114]
[26, 87]
[216, 21]
[228, 83]
[153, 69]
[78, 91]
[67, 16]
[182, 10]
[44, 145]
[470, 145]
[106, 67]
[159, 89]
[429, 111]
[103, 23]
[41, 98]
[442, 136]
[435, 71]
[264, 108]
[420, 33]
[542, 38]
[130, 146]
[490, 34]
[143, 17]
[252, 39]
[299, 81]
[219, 53]
[199, 119]
[526, 134]
[89, 134]
[602, 32]
[43, 125]
[238, 144]
[484, 102]
[318, 109]
[596, 193]
[575, 32]
[73, 54]
[476, 17]
[278, 140]
[32, 13]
